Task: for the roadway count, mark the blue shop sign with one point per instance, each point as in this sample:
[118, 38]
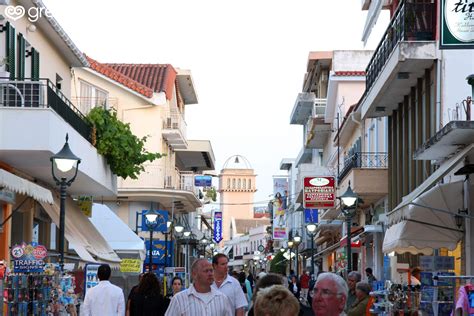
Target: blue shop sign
[161, 221]
[203, 181]
[311, 215]
[159, 252]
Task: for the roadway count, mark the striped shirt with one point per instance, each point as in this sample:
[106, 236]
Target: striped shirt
[188, 303]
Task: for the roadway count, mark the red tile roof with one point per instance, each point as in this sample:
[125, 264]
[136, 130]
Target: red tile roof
[130, 83]
[159, 78]
[349, 73]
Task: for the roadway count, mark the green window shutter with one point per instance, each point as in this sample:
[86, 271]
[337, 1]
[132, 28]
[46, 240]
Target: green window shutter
[21, 57]
[10, 50]
[35, 65]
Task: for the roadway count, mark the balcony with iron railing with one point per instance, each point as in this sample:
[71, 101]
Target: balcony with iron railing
[367, 173]
[411, 22]
[36, 116]
[174, 130]
[43, 94]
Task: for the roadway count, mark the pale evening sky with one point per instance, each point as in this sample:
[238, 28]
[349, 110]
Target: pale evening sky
[247, 58]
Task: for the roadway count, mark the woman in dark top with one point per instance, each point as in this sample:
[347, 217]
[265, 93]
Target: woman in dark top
[148, 300]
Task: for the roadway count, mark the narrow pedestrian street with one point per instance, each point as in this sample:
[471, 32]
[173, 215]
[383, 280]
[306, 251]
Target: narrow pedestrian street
[236, 158]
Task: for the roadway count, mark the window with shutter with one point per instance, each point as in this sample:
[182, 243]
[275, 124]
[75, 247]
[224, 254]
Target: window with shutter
[35, 64]
[21, 57]
[10, 50]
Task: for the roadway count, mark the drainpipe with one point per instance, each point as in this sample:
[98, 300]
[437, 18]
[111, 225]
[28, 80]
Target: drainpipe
[439, 63]
[469, 223]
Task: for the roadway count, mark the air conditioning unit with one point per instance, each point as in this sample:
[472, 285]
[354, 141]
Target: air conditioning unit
[22, 93]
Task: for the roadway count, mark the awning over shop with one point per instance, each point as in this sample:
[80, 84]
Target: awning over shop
[83, 237]
[118, 235]
[427, 222]
[415, 226]
[22, 186]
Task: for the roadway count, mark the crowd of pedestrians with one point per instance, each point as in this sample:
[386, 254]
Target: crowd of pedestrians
[215, 292]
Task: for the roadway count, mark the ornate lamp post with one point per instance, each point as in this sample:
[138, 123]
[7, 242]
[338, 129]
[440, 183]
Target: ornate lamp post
[290, 245]
[151, 221]
[297, 241]
[349, 204]
[64, 160]
[311, 228]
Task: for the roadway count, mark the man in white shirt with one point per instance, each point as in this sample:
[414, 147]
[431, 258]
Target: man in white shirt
[200, 299]
[104, 298]
[228, 285]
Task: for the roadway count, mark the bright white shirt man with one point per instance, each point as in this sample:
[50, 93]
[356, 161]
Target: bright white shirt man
[200, 299]
[104, 298]
[227, 284]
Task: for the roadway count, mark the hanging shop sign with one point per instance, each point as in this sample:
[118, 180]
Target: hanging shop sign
[217, 227]
[161, 220]
[158, 252]
[202, 181]
[457, 24]
[319, 192]
[311, 216]
[28, 257]
[85, 204]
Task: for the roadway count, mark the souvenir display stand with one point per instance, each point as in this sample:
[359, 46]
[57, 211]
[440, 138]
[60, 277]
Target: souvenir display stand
[35, 287]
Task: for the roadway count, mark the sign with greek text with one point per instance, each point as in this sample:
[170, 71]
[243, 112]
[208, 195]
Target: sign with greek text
[457, 24]
[28, 257]
[319, 192]
[217, 227]
[130, 265]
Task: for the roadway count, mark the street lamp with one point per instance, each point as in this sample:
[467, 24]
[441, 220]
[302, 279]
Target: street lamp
[64, 160]
[167, 232]
[311, 228]
[297, 241]
[349, 200]
[290, 245]
[151, 221]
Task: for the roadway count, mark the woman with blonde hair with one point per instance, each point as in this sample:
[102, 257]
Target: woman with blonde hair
[276, 300]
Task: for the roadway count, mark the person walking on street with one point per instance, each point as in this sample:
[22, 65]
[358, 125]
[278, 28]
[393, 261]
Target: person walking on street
[352, 278]
[304, 284]
[104, 298]
[330, 295]
[148, 300]
[131, 295]
[362, 304]
[294, 287]
[200, 298]
[176, 287]
[227, 284]
[370, 276]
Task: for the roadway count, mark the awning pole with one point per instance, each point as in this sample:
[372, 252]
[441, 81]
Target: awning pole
[441, 210]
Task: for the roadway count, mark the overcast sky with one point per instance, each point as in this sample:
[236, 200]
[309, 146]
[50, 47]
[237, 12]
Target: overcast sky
[247, 57]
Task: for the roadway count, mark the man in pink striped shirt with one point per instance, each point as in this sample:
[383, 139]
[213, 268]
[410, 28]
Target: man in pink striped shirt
[200, 299]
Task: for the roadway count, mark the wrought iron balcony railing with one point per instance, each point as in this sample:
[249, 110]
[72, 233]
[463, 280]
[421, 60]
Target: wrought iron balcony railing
[411, 22]
[43, 94]
[363, 160]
